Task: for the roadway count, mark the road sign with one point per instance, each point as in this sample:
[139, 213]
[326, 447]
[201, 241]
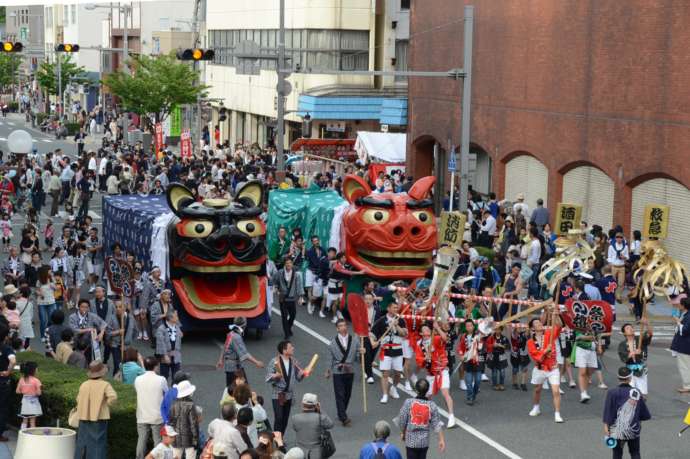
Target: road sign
[452, 164]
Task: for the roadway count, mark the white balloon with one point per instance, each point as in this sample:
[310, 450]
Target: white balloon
[20, 142]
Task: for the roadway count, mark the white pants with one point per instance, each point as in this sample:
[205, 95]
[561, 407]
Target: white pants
[640, 383]
[189, 453]
[309, 279]
[683, 361]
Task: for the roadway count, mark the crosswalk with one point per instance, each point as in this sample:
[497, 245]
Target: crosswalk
[661, 332]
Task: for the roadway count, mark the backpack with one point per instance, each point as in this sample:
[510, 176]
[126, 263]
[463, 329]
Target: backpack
[380, 453]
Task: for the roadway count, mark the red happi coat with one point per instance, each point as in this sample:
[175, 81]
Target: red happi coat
[439, 359]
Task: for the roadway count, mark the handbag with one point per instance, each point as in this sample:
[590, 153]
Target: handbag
[73, 418]
[326, 441]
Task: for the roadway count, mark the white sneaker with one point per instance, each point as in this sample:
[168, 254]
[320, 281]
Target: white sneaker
[408, 386]
[140, 335]
[334, 319]
[536, 411]
[92, 289]
[484, 377]
[384, 399]
[322, 315]
[584, 397]
[310, 308]
[560, 391]
[557, 417]
[563, 379]
[463, 386]
[545, 385]
[572, 384]
[370, 380]
[394, 392]
[413, 379]
[451, 422]
[603, 386]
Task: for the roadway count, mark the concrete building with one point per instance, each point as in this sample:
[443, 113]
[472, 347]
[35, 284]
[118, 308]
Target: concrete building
[320, 35]
[584, 102]
[25, 24]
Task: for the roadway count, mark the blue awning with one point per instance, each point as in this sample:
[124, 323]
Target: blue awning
[384, 110]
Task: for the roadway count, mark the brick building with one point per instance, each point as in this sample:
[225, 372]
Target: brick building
[573, 101]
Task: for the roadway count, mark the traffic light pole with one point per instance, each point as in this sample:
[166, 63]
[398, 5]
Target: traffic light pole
[280, 128]
[59, 70]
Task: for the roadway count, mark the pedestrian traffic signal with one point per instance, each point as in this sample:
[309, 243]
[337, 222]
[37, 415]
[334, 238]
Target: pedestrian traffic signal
[223, 114]
[9, 47]
[67, 48]
[196, 54]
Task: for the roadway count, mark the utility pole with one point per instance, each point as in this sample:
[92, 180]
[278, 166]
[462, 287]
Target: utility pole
[125, 43]
[466, 107]
[280, 132]
[59, 71]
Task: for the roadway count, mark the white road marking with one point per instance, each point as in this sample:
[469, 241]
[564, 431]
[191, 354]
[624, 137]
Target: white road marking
[463, 425]
[3, 139]
[47, 140]
[10, 123]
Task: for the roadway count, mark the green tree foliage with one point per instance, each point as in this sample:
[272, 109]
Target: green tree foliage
[47, 74]
[3, 12]
[9, 63]
[156, 85]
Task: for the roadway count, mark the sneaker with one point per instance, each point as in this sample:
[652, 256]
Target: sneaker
[451, 422]
[463, 386]
[563, 380]
[413, 379]
[560, 391]
[394, 392]
[545, 385]
[370, 380]
[536, 411]
[408, 386]
[322, 315]
[92, 289]
[484, 377]
[603, 386]
[557, 417]
[310, 308]
[334, 319]
[146, 336]
[572, 384]
[584, 397]
[384, 399]
[140, 335]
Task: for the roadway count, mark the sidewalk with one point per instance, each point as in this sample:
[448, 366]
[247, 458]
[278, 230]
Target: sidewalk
[7, 449]
[20, 122]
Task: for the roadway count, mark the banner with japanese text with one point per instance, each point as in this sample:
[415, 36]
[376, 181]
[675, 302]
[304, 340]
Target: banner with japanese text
[452, 228]
[656, 221]
[186, 144]
[568, 216]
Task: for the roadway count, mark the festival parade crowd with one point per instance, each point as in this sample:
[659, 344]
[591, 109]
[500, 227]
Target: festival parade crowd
[55, 271]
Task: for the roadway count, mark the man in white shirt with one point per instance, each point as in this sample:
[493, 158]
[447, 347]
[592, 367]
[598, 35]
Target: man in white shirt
[224, 431]
[618, 254]
[150, 388]
[488, 229]
[533, 261]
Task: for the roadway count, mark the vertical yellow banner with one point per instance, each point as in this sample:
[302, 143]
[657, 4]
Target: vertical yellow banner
[568, 216]
[656, 221]
[452, 228]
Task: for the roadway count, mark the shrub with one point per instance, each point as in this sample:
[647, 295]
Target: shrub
[60, 388]
[72, 128]
[41, 117]
[13, 106]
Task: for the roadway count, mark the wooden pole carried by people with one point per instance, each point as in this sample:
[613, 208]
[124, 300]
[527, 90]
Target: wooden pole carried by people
[360, 323]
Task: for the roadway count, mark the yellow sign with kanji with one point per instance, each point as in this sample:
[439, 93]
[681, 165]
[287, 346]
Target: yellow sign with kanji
[452, 228]
[656, 221]
[568, 216]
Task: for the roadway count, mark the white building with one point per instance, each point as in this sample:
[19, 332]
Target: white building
[321, 34]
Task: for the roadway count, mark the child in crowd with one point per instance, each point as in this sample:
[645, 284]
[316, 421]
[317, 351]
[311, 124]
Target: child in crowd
[497, 358]
[12, 316]
[49, 234]
[6, 231]
[29, 386]
[519, 357]
[164, 449]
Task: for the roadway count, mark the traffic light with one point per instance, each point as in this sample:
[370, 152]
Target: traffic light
[222, 114]
[9, 47]
[196, 54]
[67, 48]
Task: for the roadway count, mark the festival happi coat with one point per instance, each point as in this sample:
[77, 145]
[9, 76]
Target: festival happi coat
[217, 253]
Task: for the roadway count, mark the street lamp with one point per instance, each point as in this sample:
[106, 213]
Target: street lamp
[125, 10]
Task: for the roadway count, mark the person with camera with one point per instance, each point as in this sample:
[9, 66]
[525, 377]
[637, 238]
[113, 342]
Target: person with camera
[308, 426]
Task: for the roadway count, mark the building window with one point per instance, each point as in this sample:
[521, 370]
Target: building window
[65, 14]
[49, 17]
[316, 49]
[405, 4]
[74, 14]
[401, 47]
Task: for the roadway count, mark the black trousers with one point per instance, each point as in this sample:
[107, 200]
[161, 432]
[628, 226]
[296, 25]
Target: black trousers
[342, 385]
[5, 394]
[281, 415]
[288, 312]
[369, 357]
[416, 453]
[633, 448]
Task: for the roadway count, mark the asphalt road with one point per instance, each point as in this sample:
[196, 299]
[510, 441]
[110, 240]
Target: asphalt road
[497, 426]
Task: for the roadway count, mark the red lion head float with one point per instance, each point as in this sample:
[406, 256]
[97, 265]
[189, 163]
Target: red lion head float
[389, 235]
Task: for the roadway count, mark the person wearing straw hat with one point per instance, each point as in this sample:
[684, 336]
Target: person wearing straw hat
[94, 400]
[624, 411]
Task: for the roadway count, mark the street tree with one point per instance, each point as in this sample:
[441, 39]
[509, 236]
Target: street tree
[155, 85]
[47, 74]
[9, 63]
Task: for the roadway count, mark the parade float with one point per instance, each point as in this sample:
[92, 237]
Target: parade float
[210, 251]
